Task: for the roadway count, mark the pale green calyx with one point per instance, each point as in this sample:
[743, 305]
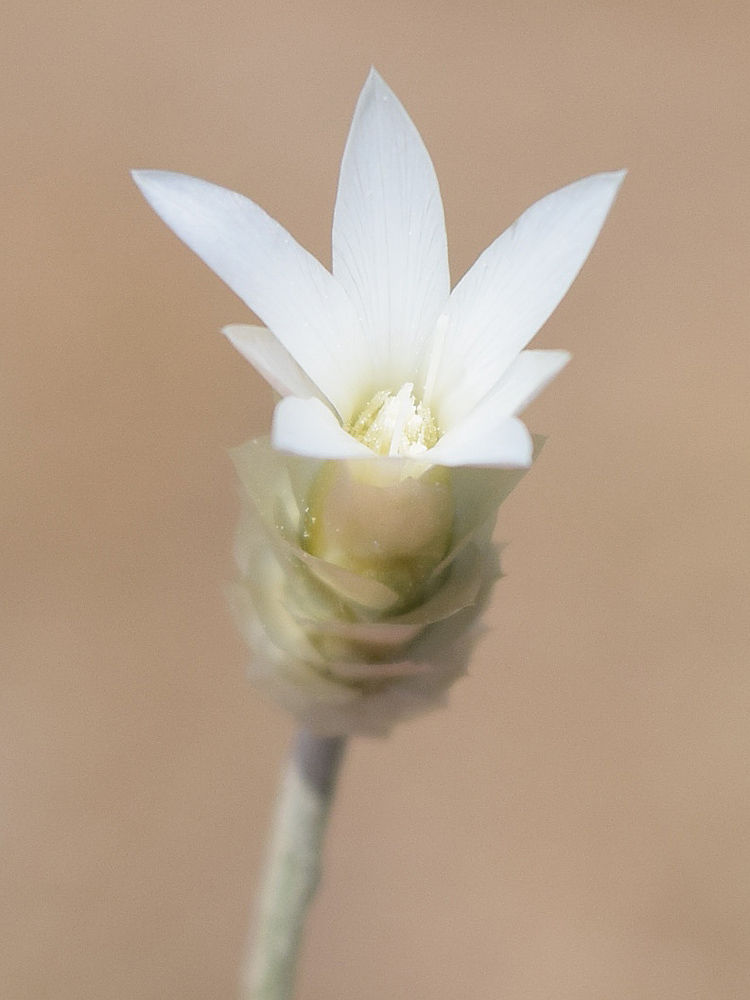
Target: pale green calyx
[394, 529]
[361, 582]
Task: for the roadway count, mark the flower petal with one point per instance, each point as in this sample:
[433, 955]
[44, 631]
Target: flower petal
[281, 282]
[524, 379]
[514, 286]
[490, 423]
[270, 359]
[307, 427]
[485, 439]
[389, 243]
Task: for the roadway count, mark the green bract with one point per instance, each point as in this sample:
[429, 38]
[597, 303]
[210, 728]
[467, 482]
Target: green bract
[348, 641]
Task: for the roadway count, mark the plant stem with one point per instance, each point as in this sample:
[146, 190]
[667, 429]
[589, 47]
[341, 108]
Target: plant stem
[292, 866]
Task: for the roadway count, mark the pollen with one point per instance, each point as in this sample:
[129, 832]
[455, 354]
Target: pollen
[396, 424]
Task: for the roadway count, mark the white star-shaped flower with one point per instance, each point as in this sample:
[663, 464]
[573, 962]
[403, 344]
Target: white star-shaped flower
[380, 357]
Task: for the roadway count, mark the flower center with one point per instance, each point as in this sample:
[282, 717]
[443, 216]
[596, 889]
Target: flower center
[396, 424]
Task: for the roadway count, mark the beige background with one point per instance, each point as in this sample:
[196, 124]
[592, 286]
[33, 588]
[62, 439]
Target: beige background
[577, 824]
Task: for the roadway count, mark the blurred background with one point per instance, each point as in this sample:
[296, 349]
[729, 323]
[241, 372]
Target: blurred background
[576, 825]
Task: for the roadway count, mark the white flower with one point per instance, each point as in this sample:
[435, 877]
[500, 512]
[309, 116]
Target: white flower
[380, 357]
[365, 549]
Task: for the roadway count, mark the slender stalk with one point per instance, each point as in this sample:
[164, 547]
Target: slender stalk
[292, 866]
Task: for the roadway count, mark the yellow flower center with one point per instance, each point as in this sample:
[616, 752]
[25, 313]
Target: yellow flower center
[396, 424]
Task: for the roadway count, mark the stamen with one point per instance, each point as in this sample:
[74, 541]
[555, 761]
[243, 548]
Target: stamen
[404, 408]
[396, 424]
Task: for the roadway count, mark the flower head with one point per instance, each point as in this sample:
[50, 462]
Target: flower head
[380, 357]
[364, 548]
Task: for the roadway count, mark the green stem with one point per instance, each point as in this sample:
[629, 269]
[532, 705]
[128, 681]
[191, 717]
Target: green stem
[292, 866]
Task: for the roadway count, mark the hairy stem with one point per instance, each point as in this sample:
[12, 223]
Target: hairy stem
[292, 866]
